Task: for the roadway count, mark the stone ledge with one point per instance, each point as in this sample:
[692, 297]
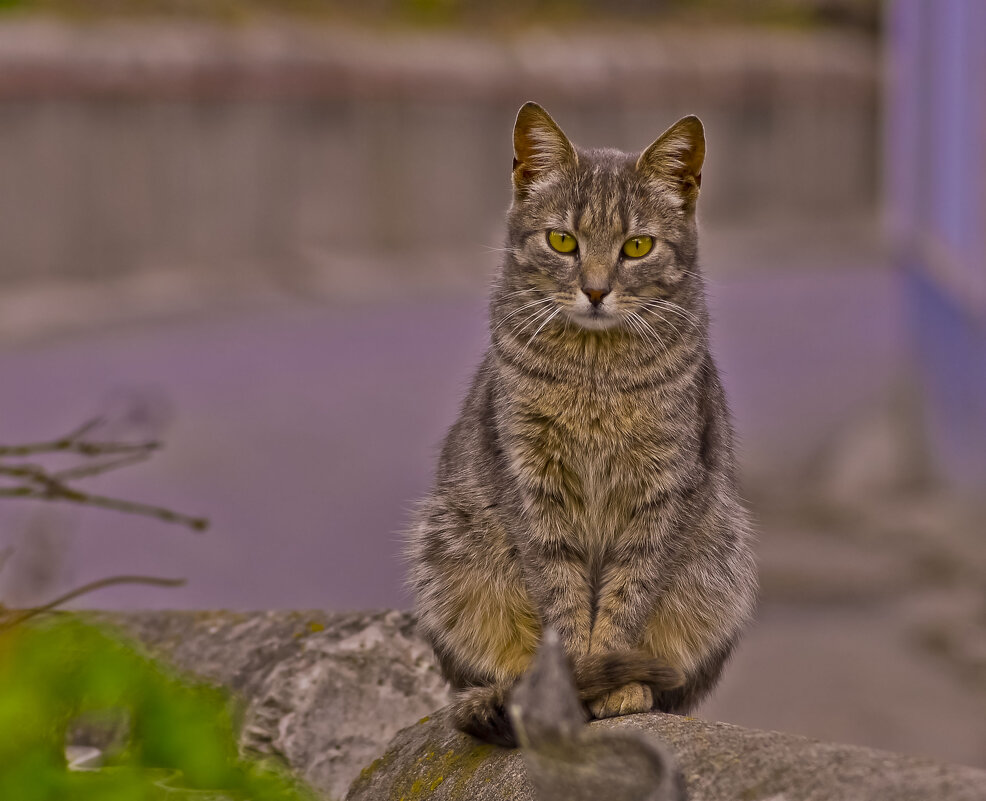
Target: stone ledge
[326, 691]
[322, 692]
[718, 761]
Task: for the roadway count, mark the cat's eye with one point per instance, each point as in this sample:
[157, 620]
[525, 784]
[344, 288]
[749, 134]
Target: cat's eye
[637, 246]
[562, 241]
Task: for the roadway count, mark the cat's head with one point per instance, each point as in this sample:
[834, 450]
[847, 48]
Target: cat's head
[600, 238]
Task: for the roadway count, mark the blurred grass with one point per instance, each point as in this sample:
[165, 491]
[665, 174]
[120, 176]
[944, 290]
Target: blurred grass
[182, 738]
[476, 16]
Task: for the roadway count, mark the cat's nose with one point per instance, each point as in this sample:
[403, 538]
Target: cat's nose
[595, 295]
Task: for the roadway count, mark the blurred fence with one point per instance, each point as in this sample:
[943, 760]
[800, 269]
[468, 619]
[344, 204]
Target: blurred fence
[170, 147]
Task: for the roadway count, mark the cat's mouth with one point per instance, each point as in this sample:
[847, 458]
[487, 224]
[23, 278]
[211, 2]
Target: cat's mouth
[594, 318]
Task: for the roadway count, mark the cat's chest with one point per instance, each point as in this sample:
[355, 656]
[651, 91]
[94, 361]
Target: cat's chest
[608, 445]
[590, 427]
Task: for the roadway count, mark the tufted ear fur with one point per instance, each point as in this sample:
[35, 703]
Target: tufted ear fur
[540, 147]
[677, 156]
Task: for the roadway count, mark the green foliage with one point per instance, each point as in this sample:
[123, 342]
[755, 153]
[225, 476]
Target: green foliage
[182, 739]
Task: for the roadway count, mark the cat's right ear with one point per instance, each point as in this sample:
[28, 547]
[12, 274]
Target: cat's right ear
[540, 147]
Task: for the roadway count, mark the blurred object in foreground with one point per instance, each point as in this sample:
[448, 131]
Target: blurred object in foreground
[566, 761]
[180, 735]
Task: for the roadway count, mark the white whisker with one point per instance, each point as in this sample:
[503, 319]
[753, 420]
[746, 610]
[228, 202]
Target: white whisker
[650, 330]
[534, 319]
[638, 325]
[671, 307]
[552, 317]
[635, 325]
[665, 320]
[519, 310]
[629, 317]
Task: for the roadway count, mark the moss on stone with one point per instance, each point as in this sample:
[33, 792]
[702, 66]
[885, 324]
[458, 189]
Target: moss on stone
[366, 775]
[432, 769]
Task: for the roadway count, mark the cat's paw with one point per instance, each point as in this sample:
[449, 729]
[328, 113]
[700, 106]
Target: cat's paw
[628, 700]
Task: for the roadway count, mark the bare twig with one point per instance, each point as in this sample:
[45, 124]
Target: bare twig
[55, 491]
[85, 428]
[85, 471]
[23, 470]
[33, 481]
[75, 442]
[81, 447]
[11, 618]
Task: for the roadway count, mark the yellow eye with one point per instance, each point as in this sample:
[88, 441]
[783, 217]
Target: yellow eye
[637, 246]
[562, 241]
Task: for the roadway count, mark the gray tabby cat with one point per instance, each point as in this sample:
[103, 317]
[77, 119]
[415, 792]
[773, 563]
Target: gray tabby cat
[588, 483]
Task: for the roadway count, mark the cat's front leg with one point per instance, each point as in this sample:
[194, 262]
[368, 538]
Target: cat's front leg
[688, 617]
[628, 590]
[626, 593]
[555, 563]
[628, 587]
[558, 580]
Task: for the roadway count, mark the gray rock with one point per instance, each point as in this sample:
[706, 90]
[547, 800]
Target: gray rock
[324, 693]
[719, 762]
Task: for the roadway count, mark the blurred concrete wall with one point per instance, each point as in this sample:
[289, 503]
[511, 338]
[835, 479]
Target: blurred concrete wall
[172, 147]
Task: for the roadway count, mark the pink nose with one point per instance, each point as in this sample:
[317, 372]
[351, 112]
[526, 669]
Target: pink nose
[595, 295]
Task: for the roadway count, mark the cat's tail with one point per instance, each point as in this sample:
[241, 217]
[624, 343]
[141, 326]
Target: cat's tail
[482, 711]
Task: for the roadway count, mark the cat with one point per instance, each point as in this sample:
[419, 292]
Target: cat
[589, 484]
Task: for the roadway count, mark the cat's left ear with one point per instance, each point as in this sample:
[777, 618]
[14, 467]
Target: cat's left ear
[677, 155]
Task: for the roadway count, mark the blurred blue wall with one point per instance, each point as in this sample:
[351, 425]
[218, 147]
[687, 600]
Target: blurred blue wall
[936, 150]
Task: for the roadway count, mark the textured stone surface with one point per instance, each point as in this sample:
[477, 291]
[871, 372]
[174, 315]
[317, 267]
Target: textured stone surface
[327, 691]
[719, 762]
[324, 692]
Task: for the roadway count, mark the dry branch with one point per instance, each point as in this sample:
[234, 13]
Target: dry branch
[31, 480]
[13, 617]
